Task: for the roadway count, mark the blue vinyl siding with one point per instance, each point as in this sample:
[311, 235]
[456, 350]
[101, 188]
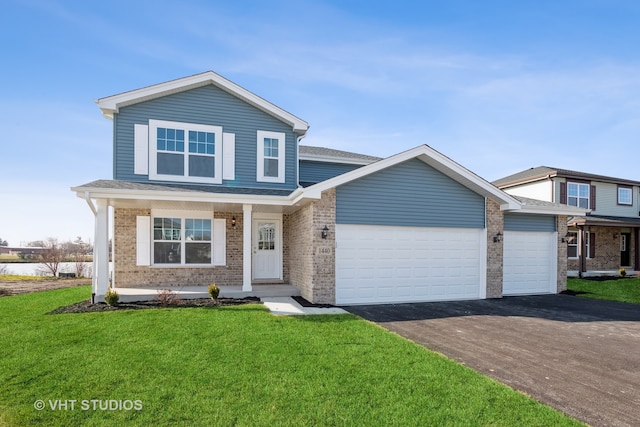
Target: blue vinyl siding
[206, 105]
[527, 222]
[411, 193]
[314, 172]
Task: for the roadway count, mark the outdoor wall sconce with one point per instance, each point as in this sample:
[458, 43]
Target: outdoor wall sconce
[324, 232]
[615, 235]
[568, 238]
[233, 222]
[498, 237]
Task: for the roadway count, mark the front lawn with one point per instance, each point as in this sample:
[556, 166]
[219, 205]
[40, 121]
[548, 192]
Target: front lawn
[622, 289]
[233, 366]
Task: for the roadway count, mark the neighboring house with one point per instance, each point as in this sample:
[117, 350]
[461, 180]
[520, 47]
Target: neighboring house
[605, 239]
[211, 185]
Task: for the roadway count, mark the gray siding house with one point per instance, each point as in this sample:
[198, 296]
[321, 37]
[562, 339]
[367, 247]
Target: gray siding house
[212, 185]
[604, 239]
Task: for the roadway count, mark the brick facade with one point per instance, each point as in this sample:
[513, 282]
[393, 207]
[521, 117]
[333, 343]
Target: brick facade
[561, 227]
[312, 258]
[495, 250]
[128, 274]
[607, 249]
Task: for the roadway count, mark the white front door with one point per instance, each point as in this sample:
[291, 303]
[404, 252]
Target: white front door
[267, 248]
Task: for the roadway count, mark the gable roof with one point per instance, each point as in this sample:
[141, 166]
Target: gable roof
[433, 158]
[111, 104]
[543, 172]
[322, 154]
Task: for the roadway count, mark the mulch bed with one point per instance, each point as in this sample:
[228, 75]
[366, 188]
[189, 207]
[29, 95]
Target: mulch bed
[87, 307]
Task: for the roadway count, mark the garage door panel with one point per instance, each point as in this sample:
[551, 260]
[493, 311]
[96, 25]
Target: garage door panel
[407, 264]
[529, 262]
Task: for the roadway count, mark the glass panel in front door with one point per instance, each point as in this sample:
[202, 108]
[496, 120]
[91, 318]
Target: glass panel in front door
[266, 236]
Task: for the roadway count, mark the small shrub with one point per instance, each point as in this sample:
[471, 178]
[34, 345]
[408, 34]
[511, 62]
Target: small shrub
[111, 297]
[167, 297]
[622, 272]
[214, 291]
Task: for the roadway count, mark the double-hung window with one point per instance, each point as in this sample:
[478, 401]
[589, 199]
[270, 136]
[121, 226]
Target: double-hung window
[578, 195]
[271, 157]
[185, 152]
[625, 196]
[182, 240]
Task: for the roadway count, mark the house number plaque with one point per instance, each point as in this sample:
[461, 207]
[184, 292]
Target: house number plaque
[324, 250]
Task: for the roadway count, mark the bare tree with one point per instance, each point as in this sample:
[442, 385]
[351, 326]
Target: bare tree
[78, 251]
[51, 257]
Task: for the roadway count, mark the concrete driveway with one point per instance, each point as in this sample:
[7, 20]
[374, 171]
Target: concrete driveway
[578, 355]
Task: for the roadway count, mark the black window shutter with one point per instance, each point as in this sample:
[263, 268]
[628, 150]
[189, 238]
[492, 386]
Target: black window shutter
[563, 193]
[593, 197]
[592, 245]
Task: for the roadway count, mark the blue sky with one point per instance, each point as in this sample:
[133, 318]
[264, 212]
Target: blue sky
[498, 86]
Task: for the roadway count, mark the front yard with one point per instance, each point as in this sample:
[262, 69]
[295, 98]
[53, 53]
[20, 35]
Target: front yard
[232, 366]
[614, 289]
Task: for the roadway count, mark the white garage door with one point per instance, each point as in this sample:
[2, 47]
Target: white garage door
[381, 264]
[529, 263]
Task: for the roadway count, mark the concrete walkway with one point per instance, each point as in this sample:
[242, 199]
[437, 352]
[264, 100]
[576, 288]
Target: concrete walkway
[286, 306]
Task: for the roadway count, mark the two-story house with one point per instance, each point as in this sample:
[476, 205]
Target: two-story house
[604, 240]
[211, 185]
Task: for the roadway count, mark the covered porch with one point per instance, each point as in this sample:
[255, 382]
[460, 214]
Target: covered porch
[602, 245]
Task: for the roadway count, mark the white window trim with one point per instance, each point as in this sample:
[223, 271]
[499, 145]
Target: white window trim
[153, 151]
[578, 197]
[577, 244]
[161, 213]
[280, 136]
[630, 190]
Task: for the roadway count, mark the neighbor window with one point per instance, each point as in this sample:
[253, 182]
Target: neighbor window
[578, 195]
[182, 240]
[572, 244]
[185, 152]
[625, 196]
[271, 156]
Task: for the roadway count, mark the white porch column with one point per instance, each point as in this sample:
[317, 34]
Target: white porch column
[101, 250]
[247, 225]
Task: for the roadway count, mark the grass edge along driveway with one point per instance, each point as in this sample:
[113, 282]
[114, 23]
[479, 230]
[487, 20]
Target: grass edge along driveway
[234, 366]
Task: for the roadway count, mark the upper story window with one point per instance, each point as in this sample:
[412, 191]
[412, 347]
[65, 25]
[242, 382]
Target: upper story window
[271, 156]
[186, 152]
[625, 196]
[578, 195]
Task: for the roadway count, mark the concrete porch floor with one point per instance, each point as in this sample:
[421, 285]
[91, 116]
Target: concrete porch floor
[147, 293]
[602, 273]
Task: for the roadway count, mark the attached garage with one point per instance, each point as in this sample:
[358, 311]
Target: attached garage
[409, 233]
[387, 264]
[530, 255]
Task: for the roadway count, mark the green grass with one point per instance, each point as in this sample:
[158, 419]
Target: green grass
[236, 366]
[624, 290]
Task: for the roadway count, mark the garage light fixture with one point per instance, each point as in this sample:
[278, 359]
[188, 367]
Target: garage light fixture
[324, 232]
[498, 237]
[233, 222]
[568, 238]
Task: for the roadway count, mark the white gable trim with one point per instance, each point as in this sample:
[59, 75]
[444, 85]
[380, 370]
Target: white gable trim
[434, 159]
[111, 104]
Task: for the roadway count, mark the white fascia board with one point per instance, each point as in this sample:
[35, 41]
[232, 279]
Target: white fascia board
[551, 210]
[434, 159]
[178, 196]
[110, 105]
